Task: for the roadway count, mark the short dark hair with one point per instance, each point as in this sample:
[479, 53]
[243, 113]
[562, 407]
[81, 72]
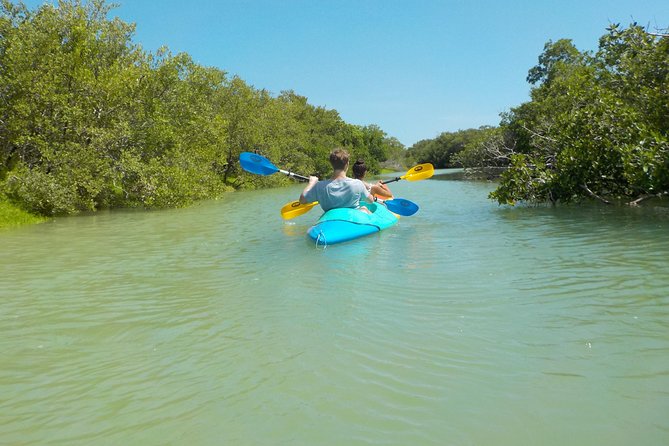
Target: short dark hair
[339, 159]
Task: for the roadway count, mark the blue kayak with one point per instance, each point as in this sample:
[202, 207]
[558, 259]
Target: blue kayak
[344, 224]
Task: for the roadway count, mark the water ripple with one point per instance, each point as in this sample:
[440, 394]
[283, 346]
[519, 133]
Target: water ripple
[221, 324]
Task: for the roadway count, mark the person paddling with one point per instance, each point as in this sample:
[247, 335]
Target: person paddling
[339, 191]
[377, 189]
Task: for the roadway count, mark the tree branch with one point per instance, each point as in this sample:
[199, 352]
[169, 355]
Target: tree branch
[594, 195]
[646, 197]
[538, 135]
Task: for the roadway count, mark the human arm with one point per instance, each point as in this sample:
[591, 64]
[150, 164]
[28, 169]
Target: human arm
[365, 191]
[381, 190]
[312, 182]
[369, 198]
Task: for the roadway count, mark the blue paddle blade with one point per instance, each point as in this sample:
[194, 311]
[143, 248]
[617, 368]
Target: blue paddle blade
[258, 164]
[401, 206]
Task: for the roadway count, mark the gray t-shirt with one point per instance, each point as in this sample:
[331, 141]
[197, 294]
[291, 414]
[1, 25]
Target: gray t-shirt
[340, 193]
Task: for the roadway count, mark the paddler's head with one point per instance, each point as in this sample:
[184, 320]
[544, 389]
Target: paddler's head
[339, 159]
[359, 169]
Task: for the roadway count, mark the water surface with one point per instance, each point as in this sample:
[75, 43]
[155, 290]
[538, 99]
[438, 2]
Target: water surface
[467, 323]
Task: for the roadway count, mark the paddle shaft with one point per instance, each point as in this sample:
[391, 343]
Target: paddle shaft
[391, 181]
[294, 175]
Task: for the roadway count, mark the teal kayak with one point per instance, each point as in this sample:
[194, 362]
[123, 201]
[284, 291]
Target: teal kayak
[344, 224]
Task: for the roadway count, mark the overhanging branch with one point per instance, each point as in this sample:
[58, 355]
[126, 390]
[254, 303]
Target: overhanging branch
[594, 195]
[646, 197]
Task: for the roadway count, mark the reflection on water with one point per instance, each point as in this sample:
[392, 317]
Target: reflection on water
[467, 323]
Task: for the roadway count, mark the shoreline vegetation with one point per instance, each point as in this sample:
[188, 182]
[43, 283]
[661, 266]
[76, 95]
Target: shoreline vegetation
[90, 120]
[12, 216]
[596, 127]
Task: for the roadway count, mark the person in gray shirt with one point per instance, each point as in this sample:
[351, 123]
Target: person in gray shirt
[339, 191]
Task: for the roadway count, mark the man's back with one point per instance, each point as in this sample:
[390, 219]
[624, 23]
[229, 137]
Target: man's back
[339, 193]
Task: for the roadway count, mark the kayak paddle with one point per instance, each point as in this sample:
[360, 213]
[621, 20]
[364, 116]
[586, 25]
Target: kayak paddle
[416, 173]
[258, 164]
[400, 206]
[295, 209]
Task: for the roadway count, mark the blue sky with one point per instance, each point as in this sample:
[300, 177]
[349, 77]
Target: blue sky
[415, 68]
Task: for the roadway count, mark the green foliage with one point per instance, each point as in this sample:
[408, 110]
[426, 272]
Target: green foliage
[646, 163]
[597, 125]
[41, 193]
[442, 151]
[11, 215]
[522, 179]
[89, 120]
[557, 57]
[479, 149]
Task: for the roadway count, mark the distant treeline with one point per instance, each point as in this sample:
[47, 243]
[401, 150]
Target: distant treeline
[90, 120]
[597, 126]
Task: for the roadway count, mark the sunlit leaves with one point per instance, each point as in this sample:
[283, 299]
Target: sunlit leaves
[90, 120]
[597, 124]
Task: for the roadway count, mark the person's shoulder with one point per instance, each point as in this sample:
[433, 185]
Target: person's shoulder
[355, 182]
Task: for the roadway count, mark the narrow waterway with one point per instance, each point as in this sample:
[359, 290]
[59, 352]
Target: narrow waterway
[467, 323]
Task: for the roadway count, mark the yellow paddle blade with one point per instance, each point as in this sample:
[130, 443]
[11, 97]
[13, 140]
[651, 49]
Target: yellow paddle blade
[419, 172]
[295, 209]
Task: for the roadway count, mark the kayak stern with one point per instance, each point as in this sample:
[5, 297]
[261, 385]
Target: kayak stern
[344, 224]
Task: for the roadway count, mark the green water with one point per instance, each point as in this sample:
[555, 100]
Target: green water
[466, 324]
